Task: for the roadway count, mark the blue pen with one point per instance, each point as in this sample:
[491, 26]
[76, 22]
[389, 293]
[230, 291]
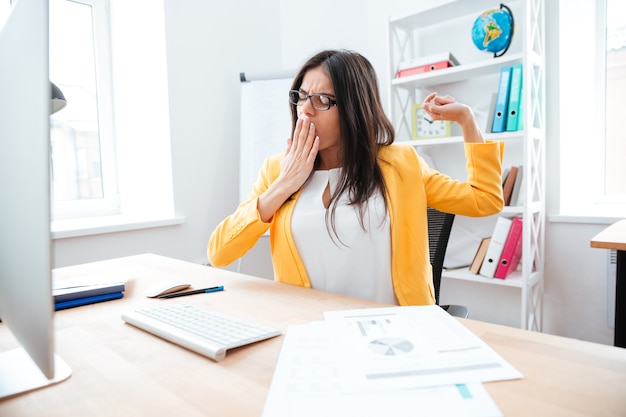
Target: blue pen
[198, 291]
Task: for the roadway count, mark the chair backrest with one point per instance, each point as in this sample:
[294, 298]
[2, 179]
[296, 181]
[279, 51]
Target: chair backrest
[439, 228]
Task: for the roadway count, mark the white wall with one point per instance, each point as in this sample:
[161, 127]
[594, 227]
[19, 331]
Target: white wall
[208, 46]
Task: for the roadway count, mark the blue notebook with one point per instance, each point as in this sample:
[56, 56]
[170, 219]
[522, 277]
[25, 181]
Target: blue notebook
[61, 305]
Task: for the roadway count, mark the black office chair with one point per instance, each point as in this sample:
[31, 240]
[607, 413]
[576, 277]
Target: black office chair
[439, 228]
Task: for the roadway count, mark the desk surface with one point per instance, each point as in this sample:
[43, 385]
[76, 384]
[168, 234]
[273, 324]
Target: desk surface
[613, 237]
[119, 370]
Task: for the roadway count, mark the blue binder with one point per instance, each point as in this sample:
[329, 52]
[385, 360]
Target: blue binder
[502, 101]
[515, 99]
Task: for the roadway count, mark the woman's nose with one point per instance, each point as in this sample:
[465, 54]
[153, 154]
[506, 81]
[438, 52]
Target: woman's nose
[307, 107]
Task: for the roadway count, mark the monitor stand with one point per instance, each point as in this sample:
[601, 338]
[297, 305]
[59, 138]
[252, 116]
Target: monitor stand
[19, 374]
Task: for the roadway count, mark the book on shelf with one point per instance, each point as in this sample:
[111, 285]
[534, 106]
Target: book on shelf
[512, 250]
[492, 110]
[502, 101]
[517, 197]
[505, 173]
[509, 183]
[479, 257]
[426, 64]
[496, 245]
[515, 99]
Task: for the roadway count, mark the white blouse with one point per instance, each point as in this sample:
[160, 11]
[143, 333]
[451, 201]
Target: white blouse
[356, 262]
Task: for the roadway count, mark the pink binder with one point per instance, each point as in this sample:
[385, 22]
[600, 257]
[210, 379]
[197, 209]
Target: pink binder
[512, 250]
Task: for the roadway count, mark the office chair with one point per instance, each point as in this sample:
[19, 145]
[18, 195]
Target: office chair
[439, 228]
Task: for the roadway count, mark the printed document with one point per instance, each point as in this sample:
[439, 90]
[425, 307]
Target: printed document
[307, 383]
[408, 347]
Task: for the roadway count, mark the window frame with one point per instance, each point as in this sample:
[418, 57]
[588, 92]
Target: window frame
[109, 204]
[141, 125]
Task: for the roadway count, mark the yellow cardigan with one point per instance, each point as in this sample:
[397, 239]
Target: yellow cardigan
[411, 185]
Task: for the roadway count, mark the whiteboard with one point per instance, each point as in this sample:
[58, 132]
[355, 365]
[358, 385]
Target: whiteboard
[265, 127]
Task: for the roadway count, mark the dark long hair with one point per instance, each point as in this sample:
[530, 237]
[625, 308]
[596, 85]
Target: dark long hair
[364, 127]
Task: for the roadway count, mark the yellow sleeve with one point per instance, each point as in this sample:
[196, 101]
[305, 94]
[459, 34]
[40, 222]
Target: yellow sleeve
[480, 194]
[236, 234]
[240, 231]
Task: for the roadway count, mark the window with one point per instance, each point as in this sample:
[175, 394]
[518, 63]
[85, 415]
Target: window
[112, 167]
[83, 174]
[591, 107]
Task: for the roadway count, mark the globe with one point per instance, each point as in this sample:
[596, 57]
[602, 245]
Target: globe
[493, 31]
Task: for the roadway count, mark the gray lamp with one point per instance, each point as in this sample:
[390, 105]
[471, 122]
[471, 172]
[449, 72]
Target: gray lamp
[57, 99]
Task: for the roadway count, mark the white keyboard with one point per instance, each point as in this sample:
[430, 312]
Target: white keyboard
[206, 332]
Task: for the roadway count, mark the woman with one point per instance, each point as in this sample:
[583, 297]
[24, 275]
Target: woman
[346, 208]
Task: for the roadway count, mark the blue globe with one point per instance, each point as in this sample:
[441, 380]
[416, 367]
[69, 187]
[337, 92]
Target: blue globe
[493, 31]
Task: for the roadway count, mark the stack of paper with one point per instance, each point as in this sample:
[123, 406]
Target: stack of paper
[400, 361]
[86, 290]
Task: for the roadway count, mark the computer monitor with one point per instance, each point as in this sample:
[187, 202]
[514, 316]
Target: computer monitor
[26, 304]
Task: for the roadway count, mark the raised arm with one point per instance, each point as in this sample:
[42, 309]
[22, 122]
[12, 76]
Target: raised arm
[446, 108]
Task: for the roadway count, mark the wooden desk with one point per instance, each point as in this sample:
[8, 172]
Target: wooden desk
[614, 237]
[119, 370]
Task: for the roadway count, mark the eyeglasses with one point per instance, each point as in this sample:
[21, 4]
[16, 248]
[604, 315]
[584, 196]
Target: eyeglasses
[319, 101]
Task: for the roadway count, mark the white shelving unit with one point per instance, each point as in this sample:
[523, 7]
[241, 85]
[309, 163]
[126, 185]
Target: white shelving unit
[447, 28]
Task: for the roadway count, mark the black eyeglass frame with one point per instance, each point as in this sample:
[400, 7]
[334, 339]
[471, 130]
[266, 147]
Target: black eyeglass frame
[300, 94]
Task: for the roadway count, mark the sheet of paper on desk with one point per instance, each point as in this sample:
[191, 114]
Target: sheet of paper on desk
[406, 347]
[306, 383]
